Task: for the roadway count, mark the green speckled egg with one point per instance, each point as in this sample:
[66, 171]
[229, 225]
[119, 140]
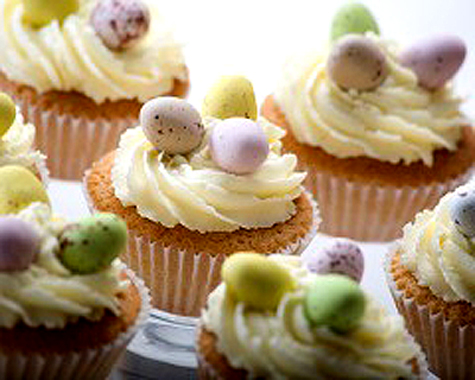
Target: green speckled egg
[353, 18]
[38, 13]
[7, 113]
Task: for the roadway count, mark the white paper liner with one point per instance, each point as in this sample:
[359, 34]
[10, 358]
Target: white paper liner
[72, 144]
[449, 347]
[368, 212]
[179, 281]
[88, 364]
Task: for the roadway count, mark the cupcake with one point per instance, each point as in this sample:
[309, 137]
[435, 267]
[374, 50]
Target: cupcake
[17, 139]
[431, 274]
[273, 318]
[81, 69]
[193, 191]
[68, 306]
[377, 128]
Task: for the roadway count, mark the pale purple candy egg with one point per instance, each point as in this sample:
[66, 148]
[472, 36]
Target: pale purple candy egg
[120, 23]
[18, 244]
[341, 257]
[238, 145]
[435, 60]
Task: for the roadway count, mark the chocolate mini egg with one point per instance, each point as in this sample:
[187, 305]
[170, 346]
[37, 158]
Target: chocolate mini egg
[357, 62]
[19, 244]
[341, 257]
[172, 125]
[335, 301]
[38, 13]
[230, 96]
[462, 211]
[353, 18]
[92, 243]
[18, 188]
[120, 24]
[7, 113]
[256, 280]
[238, 145]
[435, 60]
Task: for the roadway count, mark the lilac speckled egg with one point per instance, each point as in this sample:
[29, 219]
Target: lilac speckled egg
[238, 145]
[357, 62]
[120, 24]
[172, 124]
[435, 60]
[19, 244]
[341, 257]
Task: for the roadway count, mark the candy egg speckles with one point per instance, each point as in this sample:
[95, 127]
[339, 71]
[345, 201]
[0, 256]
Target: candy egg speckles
[356, 62]
[120, 23]
[18, 188]
[19, 244]
[231, 96]
[238, 145]
[7, 113]
[341, 257]
[353, 18]
[462, 211]
[435, 60]
[92, 243]
[334, 301]
[256, 280]
[38, 13]
[172, 125]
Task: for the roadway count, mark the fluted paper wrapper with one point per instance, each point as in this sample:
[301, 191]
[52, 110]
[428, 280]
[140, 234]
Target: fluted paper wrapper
[72, 144]
[86, 364]
[449, 346]
[180, 281]
[368, 212]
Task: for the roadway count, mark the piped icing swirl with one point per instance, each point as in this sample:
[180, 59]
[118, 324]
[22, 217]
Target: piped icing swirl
[47, 293]
[397, 122]
[282, 344]
[439, 255]
[60, 57]
[193, 191]
[16, 147]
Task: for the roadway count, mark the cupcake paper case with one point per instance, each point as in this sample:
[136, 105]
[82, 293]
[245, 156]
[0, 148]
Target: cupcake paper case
[61, 319]
[186, 214]
[308, 331]
[78, 91]
[430, 275]
[374, 155]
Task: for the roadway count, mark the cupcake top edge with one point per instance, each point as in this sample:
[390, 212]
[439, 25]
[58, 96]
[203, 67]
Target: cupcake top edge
[207, 174]
[438, 246]
[365, 96]
[275, 318]
[124, 48]
[53, 272]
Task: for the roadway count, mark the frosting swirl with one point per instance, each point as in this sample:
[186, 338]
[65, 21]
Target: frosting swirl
[59, 57]
[283, 345]
[47, 294]
[398, 121]
[438, 255]
[16, 147]
[193, 191]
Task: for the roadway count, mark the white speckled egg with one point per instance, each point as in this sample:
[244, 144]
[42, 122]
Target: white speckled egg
[357, 62]
[238, 145]
[172, 124]
[462, 210]
[435, 60]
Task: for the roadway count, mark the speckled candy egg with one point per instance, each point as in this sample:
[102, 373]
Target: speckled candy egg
[39, 13]
[462, 210]
[238, 145]
[172, 125]
[357, 62]
[7, 113]
[92, 243]
[353, 18]
[19, 244]
[340, 257]
[435, 60]
[120, 23]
